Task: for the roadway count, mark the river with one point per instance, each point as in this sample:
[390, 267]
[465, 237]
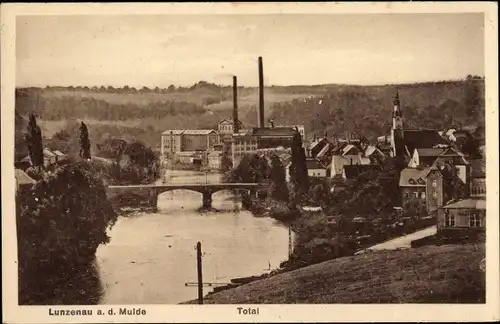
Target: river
[151, 256]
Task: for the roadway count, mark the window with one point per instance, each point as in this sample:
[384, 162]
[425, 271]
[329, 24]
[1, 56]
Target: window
[422, 195]
[435, 194]
[434, 183]
[417, 193]
[449, 220]
[474, 220]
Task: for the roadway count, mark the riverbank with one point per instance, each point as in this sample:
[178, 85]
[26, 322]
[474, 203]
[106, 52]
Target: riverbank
[450, 274]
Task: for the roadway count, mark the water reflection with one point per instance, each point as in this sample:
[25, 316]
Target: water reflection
[151, 256]
[77, 285]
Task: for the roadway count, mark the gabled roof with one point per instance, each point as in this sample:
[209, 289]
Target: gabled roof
[349, 148]
[314, 164]
[22, 178]
[411, 177]
[469, 203]
[429, 152]
[324, 150]
[273, 132]
[48, 153]
[421, 138]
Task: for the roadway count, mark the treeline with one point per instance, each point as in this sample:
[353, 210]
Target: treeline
[63, 107]
[354, 108]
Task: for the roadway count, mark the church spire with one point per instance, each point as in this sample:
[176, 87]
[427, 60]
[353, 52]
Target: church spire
[397, 109]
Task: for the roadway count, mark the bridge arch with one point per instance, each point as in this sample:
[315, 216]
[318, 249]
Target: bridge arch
[150, 193]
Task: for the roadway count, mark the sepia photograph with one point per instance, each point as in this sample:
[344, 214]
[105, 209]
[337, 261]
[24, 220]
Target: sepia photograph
[249, 158]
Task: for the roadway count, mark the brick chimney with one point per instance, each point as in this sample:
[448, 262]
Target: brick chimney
[236, 126]
[260, 114]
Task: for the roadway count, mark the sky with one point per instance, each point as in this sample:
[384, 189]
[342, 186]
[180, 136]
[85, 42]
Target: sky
[296, 49]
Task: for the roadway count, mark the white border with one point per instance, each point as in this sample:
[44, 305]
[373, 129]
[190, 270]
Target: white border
[228, 313]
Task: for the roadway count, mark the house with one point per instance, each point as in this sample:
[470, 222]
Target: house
[199, 139]
[424, 157]
[423, 187]
[347, 154]
[273, 137]
[463, 218]
[60, 156]
[22, 180]
[244, 142]
[171, 142]
[188, 140]
[478, 179]
[215, 160]
[49, 157]
[225, 129]
[315, 168]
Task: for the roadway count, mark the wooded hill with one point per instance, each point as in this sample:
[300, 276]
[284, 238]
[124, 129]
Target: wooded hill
[144, 113]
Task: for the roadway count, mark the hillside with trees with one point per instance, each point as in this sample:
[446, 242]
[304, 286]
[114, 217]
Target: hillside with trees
[142, 114]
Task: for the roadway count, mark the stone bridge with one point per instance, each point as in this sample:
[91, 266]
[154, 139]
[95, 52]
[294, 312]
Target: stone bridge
[150, 193]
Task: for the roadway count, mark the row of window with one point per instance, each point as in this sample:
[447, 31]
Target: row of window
[419, 194]
[474, 220]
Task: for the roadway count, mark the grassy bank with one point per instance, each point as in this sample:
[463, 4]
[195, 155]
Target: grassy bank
[450, 274]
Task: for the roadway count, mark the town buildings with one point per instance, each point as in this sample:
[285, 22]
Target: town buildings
[175, 143]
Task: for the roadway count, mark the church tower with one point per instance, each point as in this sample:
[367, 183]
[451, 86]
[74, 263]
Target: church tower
[397, 140]
[397, 115]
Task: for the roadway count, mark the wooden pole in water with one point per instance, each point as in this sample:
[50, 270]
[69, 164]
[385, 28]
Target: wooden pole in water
[200, 273]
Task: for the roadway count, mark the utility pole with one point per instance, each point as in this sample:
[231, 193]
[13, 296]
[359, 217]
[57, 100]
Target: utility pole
[200, 273]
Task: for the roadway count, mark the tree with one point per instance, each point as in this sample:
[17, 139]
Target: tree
[472, 97]
[84, 142]
[298, 167]
[278, 189]
[60, 224]
[34, 141]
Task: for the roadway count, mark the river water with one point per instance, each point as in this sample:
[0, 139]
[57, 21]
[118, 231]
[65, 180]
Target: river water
[151, 256]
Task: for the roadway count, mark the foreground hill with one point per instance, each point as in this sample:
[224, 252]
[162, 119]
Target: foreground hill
[443, 274]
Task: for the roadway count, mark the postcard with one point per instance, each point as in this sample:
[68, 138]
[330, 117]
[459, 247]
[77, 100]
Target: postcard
[250, 162]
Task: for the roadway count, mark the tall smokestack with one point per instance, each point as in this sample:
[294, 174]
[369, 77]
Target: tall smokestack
[236, 125]
[261, 95]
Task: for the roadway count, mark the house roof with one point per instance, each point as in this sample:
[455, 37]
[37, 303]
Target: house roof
[411, 177]
[314, 164]
[198, 131]
[274, 132]
[173, 132]
[352, 171]
[421, 138]
[22, 178]
[48, 153]
[430, 152]
[324, 150]
[469, 203]
[58, 153]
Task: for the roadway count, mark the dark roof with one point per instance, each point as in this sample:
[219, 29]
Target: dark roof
[276, 131]
[314, 164]
[421, 138]
[352, 171]
[432, 152]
